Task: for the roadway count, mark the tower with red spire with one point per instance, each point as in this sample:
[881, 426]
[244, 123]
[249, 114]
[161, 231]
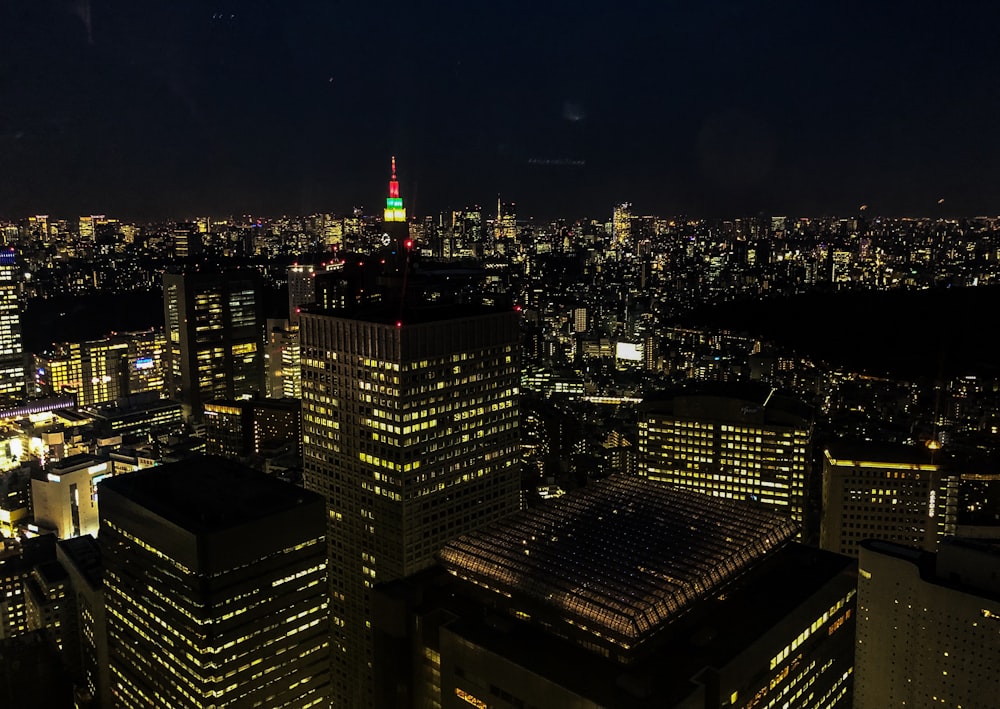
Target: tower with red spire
[395, 229]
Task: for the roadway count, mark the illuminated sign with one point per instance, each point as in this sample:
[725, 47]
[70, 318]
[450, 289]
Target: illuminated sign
[144, 363]
[628, 351]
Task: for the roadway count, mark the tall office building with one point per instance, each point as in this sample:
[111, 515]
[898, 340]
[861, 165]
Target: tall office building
[215, 588]
[928, 625]
[12, 374]
[215, 336]
[880, 491]
[410, 431]
[736, 442]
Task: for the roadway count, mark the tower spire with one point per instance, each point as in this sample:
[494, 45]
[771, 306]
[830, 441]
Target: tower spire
[394, 211]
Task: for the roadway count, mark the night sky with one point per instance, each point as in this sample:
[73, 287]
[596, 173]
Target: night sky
[176, 108]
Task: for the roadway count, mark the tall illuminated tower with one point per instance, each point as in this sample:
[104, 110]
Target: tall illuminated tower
[410, 431]
[11, 348]
[395, 229]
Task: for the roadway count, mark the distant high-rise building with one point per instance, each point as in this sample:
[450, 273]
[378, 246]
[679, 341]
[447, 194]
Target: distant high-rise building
[12, 374]
[463, 237]
[739, 443]
[505, 227]
[877, 491]
[301, 289]
[410, 422]
[187, 238]
[621, 225]
[928, 625]
[215, 588]
[101, 371]
[214, 336]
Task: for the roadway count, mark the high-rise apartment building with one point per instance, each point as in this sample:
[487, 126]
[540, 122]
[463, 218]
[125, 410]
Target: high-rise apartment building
[741, 443]
[928, 626]
[410, 432]
[215, 588]
[879, 491]
[12, 375]
[214, 336]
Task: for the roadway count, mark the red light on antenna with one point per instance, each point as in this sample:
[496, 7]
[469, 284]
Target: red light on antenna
[408, 243]
[517, 308]
[399, 323]
[298, 310]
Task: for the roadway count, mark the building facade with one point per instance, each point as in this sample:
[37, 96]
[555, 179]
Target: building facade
[197, 614]
[410, 431]
[874, 491]
[12, 374]
[735, 443]
[928, 625]
[214, 336]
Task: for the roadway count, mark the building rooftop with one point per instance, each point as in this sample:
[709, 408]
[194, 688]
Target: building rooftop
[409, 314]
[207, 494]
[620, 558]
[664, 673]
[748, 402]
[85, 555]
[843, 452]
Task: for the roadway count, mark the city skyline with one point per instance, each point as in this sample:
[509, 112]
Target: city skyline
[720, 110]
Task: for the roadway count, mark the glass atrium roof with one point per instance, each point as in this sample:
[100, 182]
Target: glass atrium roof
[620, 558]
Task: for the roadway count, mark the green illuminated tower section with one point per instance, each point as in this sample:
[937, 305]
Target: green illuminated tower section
[395, 236]
[394, 209]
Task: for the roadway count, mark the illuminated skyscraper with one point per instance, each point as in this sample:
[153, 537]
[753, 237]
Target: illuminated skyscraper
[12, 373]
[215, 589]
[621, 225]
[410, 432]
[215, 336]
[737, 443]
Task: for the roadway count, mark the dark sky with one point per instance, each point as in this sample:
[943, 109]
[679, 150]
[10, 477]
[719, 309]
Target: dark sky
[173, 108]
